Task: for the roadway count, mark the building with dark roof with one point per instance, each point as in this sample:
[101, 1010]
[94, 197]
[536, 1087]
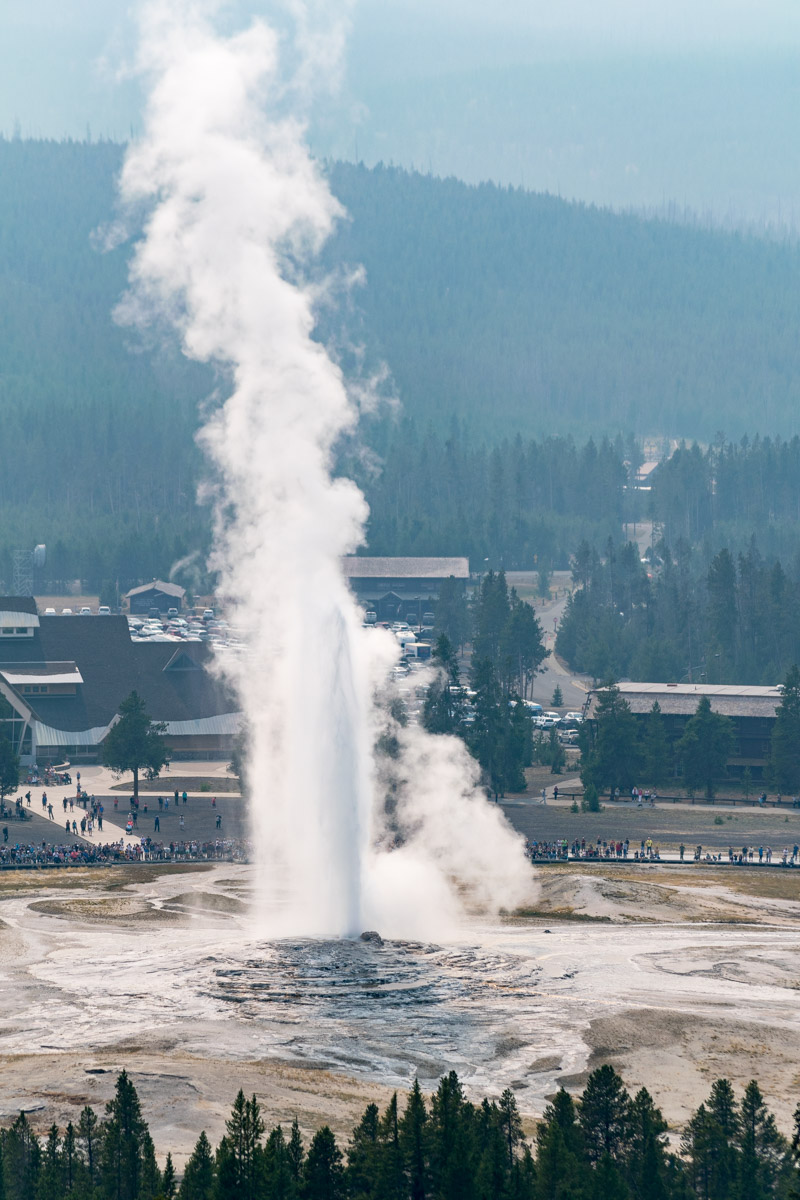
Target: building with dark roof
[157, 594]
[401, 589]
[62, 680]
[752, 710]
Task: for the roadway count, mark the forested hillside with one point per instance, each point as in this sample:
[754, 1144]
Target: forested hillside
[501, 316]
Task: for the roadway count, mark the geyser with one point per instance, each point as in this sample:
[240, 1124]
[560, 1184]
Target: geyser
[236, 211]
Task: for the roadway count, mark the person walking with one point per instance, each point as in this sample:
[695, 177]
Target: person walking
[156, 825]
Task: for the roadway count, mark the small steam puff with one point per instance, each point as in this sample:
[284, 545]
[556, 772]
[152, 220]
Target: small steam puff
[236, 209]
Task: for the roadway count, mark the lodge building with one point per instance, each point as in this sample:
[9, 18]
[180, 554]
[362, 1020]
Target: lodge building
[62, 679]
[401, 589]
[752, 710]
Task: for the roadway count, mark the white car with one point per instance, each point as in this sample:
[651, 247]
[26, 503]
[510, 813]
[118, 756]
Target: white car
[66, 612]
[85, 611]
[49, 612]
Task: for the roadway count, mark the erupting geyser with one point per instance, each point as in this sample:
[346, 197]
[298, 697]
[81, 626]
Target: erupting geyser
[236, 209]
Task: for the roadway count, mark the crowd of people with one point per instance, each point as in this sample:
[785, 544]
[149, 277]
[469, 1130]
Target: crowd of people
[579, 848]
[562, 850]
[81, 854]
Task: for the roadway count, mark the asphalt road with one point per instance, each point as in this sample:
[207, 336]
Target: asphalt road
[573, 686]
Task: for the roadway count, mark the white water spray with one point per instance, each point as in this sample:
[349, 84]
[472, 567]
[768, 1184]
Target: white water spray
[236, 208]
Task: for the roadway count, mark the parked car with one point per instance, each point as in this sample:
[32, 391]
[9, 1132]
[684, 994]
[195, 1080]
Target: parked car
[66, 612]
[172, 612]
[104, 611]
[85, 611]
[208, 614]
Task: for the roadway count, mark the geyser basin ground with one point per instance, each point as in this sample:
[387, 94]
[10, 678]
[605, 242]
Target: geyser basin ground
[156, 970]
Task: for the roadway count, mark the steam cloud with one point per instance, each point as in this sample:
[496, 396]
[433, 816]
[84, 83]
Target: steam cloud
[236, 212]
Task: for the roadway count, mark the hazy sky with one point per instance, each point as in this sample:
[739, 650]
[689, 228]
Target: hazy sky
[625, 102]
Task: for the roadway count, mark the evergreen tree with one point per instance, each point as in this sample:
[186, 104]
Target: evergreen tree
[444, 706]
[449, 1141]
[363, 1157]
[392, 1182]
[136, 742]
[323, 1173]
[655, 748]
[510, 1124]
[70, 1158]
[279, 1184]
[487, 735]
[493, 610]
[124, 1151]
[89, 1140]
[198, 1177]
[521, 650]
[561, 1165]
[413, 1140]
[151, 1181]
[555, 753]
[452, 618]
[21, 1161]
[608, 1182]
[697, 1150]
[761, 1146]
[724, 1132]
[558, 698]
[9, 767]
[492, 1177]
[646, 1165]
[168, 1185]
[785, 746]
[793, 1160]
[244, 1130]
[605, 1115]
[50, 1185]
[705, 747]
[295, 1154]
[614, 759]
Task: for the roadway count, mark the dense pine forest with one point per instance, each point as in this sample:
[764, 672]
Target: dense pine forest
[510, 323]
[681, 617]
[605, 1145]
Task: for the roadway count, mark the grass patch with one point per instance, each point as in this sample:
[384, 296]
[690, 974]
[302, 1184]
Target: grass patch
[558, 914]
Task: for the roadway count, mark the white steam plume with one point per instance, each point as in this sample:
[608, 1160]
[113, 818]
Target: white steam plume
[236, 208]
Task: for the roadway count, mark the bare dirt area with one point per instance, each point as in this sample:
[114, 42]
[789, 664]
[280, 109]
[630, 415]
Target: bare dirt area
[667, 824]
[182, 1093]
[652, 893]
